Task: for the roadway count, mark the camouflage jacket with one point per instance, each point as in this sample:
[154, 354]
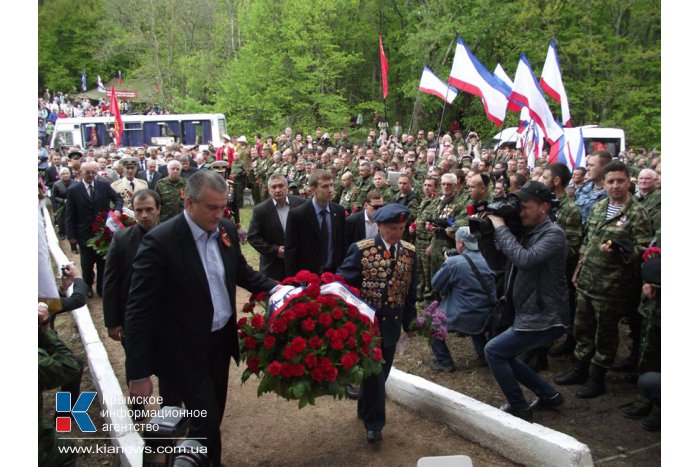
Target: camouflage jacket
[424, 212]
[172, 197]
[614, 276]
[568, 218]
[652, 203]
[346, 197]
[363, 187]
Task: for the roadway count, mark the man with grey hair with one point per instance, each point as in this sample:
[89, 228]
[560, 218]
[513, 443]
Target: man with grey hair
[172, 191]
[467, 287]
[180, 318]
[268, 224]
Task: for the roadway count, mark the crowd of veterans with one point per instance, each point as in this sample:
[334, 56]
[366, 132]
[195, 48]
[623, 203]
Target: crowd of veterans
[315, 196]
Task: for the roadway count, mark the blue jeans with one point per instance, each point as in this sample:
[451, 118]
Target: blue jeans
[442, 352]
[501, 354]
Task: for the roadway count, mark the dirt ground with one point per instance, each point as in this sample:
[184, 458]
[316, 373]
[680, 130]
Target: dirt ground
[270, 431]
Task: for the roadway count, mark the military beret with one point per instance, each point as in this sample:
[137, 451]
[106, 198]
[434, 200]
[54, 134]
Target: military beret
[392, 214]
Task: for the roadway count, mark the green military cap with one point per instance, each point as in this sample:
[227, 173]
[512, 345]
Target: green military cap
[219, 166]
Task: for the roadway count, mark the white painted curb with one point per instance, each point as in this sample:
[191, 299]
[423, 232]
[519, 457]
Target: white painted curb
[128, 442]
[520, 441]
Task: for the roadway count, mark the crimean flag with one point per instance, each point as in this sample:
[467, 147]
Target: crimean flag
[469, 75]
[120, 80]
[431, 84]
[83, 82]
[553, 84]
[385, 69]
[114, 110]
[100, 86]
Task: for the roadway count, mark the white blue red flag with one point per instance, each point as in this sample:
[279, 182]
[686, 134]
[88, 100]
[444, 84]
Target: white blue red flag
[553, 84]
[573, 154]
[83, 82]
[431, 84]
[527, 92]
[100, 86]
[469, 75]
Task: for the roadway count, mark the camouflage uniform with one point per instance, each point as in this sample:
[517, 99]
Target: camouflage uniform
[239, 175]
[260, 171]
[347, 196]
[608, 283]
[423, 238]
[364, 186]
[388, 194]
[443, 217]
[172, 197]
[57, 366]
[412, 202]
[297, 180]
[652, 203]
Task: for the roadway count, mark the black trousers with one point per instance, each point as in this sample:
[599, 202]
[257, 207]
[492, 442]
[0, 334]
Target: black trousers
[88, 259]
[206, 388]
[371, 403]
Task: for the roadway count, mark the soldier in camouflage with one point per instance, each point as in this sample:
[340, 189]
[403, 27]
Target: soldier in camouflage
[364, 183]
[607, 278]
[349, 191]
[593, 190]
[172, 192]
[381, 185]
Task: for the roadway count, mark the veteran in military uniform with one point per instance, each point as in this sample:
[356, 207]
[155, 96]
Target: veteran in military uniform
[384, 269]
[172, 192]
[126, 187]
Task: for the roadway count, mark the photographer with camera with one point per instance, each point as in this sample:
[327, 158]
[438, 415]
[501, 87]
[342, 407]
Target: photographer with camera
[468, 289]
[537, 284]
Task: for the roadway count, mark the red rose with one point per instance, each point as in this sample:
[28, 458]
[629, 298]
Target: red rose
[351, 343]
[311, 360]
[299, 344]
[274, 368]
[366, 337]
[249, 342]
[315, 342]
[288, 352]
[258, 322]
[331, 334]
[241, 322]
[308, 324]
[337, 313]
[365, 350]
[301, 310]
[313, 308]
[242, 334]
[253, 364]
[324, 319]
[269, 342]
[351, 312]
[377, 354]
[298, 370]
[336, 344]
[347, 361]
[352, 329]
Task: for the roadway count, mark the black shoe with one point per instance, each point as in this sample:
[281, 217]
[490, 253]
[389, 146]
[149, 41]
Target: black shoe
[437, 366]
[352, 392]
[595, 386]
[551, 403]
[638, 409]
[577, 375]
[373, 436]
[653, 421]
[565, 348]
[523, 414]
[626, 365]
[90, 293]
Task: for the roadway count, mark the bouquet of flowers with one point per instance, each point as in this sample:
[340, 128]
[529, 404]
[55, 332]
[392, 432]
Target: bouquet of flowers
[316, 339]
[104, 226]
[431, 323]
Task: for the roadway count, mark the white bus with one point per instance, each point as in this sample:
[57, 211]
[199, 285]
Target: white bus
[594, 138]
[151, 130]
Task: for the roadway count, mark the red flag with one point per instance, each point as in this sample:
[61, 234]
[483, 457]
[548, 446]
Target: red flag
[385, 68]
[114, 110]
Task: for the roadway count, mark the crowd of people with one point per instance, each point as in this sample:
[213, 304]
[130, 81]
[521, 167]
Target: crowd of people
[565, 256]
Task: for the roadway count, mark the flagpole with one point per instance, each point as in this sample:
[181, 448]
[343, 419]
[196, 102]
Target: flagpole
[444, 105]
[413, 114]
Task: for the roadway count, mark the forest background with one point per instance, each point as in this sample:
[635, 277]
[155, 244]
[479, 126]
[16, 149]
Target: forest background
[268, 64]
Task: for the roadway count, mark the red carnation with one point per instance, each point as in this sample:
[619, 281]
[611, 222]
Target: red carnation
[299, 344]
[308, 324]
[311, 360]
[288, 352]
[350, 326]
[298, 370]
[470, 210]
[337, 313]
[269, 342]
[249, 342]
[241, 322]
[327, 277]
[258, 322]
[313, 308]
[351, 342]
[315, 342]
[366, 337]
[279, 325]
[343, 333]
[377, 354]
[313, 290]
[324, 319]
[242, 334]
[336, 344]
[287, 370]
[331, 334]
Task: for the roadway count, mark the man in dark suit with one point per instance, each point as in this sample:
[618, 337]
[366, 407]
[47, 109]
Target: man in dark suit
[267, 225]
[383, 268]
[84, 202]
[314, 237]
[361, 225]
[180, 319]
[151, 175]
[52, 175]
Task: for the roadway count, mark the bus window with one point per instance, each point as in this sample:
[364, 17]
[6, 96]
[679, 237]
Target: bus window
[64, 138]
[196, 131]
[133, 134]
[153, 131]
[222, 128]
[612, 145]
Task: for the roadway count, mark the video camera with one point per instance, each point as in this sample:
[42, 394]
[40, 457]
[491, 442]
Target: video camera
[508, 209]
[165, 442]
